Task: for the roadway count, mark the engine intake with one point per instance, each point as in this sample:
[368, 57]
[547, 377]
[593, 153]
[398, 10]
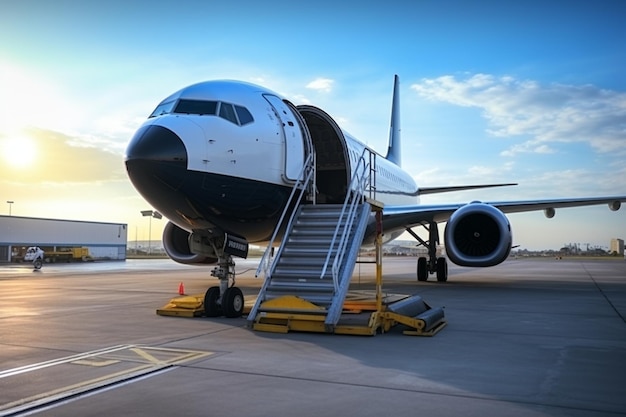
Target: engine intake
[478, 234]
[176, 245]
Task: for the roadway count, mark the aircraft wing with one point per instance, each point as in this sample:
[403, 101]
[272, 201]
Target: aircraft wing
[408, 216]
[447, 189]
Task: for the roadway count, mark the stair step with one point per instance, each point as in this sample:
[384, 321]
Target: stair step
[317, 283]
[298, 259]
[304, 251]
[300, 273]
[303, 256]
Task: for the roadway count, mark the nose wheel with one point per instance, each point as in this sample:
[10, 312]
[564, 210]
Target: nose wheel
[211, 306]
[225, 299]
[232, 302]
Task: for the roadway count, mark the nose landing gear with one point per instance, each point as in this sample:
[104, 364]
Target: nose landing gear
[225, 299]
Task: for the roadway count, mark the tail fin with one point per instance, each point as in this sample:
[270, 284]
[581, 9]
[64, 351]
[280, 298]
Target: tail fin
[394, 152]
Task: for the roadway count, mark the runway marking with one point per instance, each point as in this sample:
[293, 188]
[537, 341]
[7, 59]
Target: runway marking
[129, 363]
[96, 363]
[146, 356]
[54, 362]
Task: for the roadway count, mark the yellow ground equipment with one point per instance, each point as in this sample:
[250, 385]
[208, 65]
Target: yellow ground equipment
[363, 313]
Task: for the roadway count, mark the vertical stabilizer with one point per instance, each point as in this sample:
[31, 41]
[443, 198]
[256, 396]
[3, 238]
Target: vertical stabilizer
[394, 153]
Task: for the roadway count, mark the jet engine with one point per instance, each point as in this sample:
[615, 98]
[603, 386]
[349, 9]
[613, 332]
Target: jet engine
[478, 234]
[176, 245]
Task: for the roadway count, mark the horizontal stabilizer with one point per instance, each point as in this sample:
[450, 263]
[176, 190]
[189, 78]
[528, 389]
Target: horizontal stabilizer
[435, 190]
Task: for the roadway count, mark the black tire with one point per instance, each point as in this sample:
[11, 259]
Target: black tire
[422, 269]
[211, 308]
[38, 263]
[233, 302]
[442, 269]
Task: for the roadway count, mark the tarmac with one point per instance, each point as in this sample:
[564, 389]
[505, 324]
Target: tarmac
[530, 337]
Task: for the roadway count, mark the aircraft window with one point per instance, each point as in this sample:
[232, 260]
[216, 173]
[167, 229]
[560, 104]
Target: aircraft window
[163, 108]
[203, 107]
[244, 115]
[227, 112]
[196, 107]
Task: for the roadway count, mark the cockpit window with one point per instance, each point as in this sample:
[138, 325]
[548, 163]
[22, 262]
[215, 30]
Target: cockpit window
[227, 112]
[163, 108]
[196, 107]
[235, 114]
[244, 115]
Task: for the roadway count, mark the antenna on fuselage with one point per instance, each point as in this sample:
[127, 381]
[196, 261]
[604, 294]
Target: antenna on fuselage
[394, 153]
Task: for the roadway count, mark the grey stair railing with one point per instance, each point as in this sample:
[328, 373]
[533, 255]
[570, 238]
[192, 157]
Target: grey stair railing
[315, 236]
[349, 240]
[305, 181]
[354, 197]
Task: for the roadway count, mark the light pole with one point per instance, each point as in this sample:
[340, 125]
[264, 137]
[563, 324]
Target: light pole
[10, 203]
[151, 214]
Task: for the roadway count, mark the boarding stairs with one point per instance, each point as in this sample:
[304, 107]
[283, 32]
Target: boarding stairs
[310, 274]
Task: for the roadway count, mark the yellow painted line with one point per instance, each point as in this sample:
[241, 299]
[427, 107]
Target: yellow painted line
[91, 359]
[146, 355]
[184, 355]
[95, 363]
[60, 361]
[73, 389]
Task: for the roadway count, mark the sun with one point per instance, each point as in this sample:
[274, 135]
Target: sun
[19, 151]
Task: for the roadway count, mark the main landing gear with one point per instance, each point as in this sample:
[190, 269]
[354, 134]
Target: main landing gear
[431, 264]
[225, 299]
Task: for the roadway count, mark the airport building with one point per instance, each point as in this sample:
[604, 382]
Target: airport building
[66, 239]
[617, 246]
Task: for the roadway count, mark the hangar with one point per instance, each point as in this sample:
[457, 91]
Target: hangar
[104, 241]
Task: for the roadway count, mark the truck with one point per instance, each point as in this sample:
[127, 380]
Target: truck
[35, 255]
[69, 254]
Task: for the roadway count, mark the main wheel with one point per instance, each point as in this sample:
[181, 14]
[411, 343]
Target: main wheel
[442, 270]
[232, 302]
[37, 264]
[422, 269]
[211, 308]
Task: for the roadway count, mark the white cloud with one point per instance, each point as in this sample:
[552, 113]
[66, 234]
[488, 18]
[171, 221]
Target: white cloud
[321, 84]
[531, 146]
[547, 113]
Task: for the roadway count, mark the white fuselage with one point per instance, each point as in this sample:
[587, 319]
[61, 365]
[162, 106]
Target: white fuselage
[243, 148]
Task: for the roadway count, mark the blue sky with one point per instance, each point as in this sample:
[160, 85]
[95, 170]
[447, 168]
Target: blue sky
[491, 91]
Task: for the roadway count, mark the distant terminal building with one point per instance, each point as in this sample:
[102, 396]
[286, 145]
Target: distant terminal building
[617, 246]
[100, 241]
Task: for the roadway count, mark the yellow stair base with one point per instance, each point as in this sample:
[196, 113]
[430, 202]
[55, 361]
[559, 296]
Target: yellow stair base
[360, 317]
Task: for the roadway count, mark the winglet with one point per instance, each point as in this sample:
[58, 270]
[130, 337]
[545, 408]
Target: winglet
[394, 153]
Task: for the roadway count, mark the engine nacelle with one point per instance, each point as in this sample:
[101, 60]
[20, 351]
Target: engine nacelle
[478, 234]
[615, 205]
[176, 245]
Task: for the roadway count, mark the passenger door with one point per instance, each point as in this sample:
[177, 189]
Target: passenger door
[293, 138]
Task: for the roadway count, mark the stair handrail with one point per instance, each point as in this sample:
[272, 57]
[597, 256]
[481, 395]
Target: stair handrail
[303, 182]
[360, 181]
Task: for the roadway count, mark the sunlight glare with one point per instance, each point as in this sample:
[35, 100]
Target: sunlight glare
[19, 152]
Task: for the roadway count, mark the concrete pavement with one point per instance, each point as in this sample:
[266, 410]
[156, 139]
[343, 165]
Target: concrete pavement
[525, 338]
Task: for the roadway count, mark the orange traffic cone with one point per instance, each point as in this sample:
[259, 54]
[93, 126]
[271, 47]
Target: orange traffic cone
[181, 289]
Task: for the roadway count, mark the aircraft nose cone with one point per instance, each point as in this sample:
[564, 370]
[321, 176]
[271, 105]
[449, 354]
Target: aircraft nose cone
[156, 162]
[158, 144]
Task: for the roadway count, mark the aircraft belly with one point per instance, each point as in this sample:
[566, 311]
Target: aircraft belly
[246, 208]
[238, 206]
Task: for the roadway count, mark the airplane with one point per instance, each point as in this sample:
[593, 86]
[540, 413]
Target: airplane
[219, 159]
